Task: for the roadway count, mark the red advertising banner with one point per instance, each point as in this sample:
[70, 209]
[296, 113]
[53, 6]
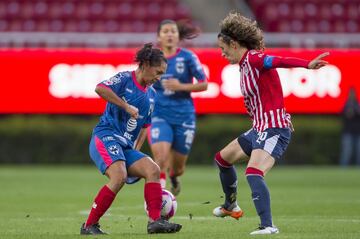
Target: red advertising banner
[63, 81]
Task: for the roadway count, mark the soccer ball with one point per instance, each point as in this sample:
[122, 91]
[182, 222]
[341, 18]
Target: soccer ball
[168, 206]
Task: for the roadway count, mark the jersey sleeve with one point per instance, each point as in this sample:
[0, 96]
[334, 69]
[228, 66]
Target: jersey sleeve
[263, 61]
[196, 68]
[115, 83]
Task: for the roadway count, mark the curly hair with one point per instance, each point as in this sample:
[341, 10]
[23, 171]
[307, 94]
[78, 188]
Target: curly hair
[242, 30]
[186, 30]
[153, 56]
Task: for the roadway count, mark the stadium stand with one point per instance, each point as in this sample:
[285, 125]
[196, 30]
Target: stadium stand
[129, 23]
[88, 16]
[326, 16]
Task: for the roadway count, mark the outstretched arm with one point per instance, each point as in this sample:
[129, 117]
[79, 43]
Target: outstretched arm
[318, 61]
[175, 85]
[288, 62]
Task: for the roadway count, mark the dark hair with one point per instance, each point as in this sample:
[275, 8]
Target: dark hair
[148, 54]
[186, 30]
[242, 30]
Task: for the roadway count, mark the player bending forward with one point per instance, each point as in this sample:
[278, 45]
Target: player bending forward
[241, 42]
[130, 101]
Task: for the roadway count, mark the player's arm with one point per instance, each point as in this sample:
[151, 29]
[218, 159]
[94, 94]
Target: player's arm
[175, 85]
[107, 94]
[289, 62]
[140, 139]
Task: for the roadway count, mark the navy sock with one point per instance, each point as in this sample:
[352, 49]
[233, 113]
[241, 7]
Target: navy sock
[260, 195]
[228, 179]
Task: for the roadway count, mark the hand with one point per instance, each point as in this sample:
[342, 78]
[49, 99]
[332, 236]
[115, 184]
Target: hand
[133, 111]
[171, 84]
[317, 62]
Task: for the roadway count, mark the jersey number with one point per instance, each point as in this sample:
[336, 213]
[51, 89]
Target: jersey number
[262, 137]
[189, 136]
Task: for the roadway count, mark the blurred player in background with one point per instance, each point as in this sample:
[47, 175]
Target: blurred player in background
[173, 121]
[350, 137]
[242, 42]
[118, 137]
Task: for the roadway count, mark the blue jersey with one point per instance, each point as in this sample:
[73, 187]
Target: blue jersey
[127, 129]
[177, 106]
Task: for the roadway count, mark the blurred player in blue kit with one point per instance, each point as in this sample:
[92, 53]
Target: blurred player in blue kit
[173, 121]
[118, 137]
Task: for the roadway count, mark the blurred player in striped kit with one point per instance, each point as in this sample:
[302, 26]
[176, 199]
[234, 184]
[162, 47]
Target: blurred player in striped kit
[173, 121]
[242, 42]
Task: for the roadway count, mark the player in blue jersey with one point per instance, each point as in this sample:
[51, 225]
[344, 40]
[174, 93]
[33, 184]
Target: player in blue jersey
[173, 121]
[119, 135]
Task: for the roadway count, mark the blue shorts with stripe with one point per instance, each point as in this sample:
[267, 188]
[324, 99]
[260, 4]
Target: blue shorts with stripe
[180, 136]
[272, 140]
[105, 149]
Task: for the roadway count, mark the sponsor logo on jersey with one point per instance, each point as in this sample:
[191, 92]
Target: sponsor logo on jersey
[128, 90]
[131, 125]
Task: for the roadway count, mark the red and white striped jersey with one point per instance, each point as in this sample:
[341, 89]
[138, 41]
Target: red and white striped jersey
[262, 91]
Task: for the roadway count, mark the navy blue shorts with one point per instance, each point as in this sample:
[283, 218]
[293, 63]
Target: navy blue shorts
[179, 136]
[105, 149]
[272, 140]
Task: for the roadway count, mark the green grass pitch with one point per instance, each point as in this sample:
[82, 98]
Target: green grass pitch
[52, 202]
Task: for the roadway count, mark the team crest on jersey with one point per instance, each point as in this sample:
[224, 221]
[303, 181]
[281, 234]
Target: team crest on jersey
[131, 125]
[112, 81]
[180, 65]
[114, 149]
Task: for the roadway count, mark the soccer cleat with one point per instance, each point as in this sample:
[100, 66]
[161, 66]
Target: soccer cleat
[236, 212]
[91, 230]
[175, 186]
[163, 226]
[265, 231]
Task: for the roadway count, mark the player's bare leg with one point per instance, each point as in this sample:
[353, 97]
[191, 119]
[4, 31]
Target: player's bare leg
[161, 154]
[117, 176]
[177, 168]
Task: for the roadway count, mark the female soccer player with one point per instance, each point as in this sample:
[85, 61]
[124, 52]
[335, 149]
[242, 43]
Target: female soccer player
[173, 120]
[114, 148]
[242, 42]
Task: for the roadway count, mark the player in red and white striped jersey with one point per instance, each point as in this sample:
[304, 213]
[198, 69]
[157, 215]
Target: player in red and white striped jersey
[242, 42]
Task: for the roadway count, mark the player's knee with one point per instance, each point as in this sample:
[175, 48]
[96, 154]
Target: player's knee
[179, 171]
[221, 162]
[152, 172]
[117, 181]
[160, 160]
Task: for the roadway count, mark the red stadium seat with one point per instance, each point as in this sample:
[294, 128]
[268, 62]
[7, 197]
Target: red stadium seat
[125, 11]
[96, 10]
[41, 10]
[13, 10]
[29, 26]
[139, 12]
[307, 15]
[89, 15]
[82, 11]
[4, 25]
